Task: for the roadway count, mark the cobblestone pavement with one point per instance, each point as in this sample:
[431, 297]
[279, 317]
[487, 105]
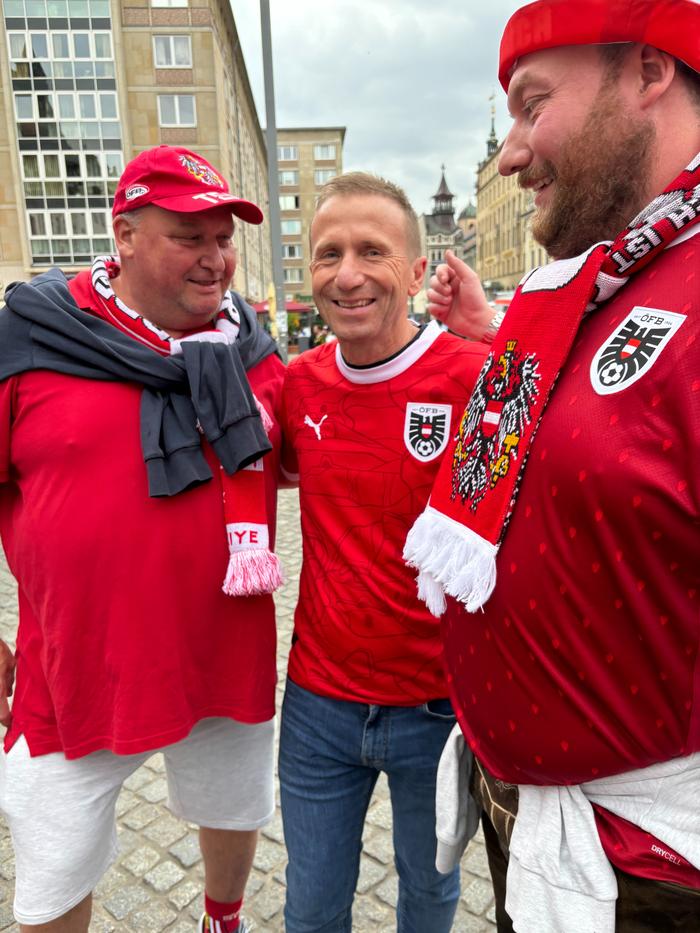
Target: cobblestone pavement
[156, 883]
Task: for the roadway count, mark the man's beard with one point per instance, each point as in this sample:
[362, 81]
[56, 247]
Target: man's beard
[601, 181]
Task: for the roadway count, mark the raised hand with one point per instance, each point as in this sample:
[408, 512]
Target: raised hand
[456, 298]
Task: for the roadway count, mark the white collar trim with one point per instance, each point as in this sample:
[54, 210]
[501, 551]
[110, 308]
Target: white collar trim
[393, 367]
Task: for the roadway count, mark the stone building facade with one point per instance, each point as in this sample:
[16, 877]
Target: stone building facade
[307, 157]
[505, 247]
[467, 223]
[88, 84]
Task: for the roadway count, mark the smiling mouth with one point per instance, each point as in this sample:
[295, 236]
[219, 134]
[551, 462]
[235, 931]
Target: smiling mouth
[537, 187]
[352, 305]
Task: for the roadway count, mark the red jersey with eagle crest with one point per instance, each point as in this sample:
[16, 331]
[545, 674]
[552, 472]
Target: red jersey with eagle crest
[585, 660]
[368, 442]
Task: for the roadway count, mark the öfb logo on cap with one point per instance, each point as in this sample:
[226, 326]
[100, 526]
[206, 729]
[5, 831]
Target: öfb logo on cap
[135, 191]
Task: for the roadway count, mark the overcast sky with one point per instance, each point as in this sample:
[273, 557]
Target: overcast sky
[410, 79]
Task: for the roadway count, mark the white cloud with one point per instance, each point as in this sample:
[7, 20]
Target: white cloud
[410, 79]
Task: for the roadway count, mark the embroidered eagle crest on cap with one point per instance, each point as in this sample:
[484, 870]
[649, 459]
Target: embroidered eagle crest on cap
[201, 172]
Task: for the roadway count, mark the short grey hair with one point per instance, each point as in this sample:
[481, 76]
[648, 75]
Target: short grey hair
[133, 218]
[359, 183]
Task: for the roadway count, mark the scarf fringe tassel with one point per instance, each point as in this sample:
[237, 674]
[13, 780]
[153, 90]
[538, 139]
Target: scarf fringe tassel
[267, 421]
[253, 572]
[450, 559]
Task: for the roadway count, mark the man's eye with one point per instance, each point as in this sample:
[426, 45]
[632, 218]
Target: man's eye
[529, 106]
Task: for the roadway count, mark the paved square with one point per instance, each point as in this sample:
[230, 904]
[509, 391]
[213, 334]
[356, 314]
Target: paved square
[156, 883]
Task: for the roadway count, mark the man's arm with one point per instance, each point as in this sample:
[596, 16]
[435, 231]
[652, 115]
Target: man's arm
[456, 298]
[289, 464]
[7, 657]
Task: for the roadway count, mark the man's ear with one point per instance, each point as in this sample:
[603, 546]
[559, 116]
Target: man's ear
[417, 275]
[654, 73]
[123, 236]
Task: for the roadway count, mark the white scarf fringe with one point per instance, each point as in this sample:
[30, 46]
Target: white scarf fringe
[451, 559]
[253, 572]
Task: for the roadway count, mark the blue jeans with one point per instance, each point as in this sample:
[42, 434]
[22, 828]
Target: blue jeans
[331, 754]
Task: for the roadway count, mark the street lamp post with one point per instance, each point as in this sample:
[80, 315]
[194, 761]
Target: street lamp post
[273, 180]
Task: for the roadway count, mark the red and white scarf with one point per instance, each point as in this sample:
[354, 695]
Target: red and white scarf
[454, 543]
[253, 569]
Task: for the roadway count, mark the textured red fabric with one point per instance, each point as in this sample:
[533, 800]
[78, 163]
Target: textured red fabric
[637, 852]
[584, 661]
[478, 480]
[669, 25]
[360, 631]
[176, 179]
[125, 640]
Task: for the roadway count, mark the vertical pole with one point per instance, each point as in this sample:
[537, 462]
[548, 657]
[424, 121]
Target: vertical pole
[273, 179]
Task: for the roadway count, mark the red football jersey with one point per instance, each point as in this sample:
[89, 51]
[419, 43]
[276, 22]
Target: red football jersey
[125, 639]
[584, 662]
[368, 443]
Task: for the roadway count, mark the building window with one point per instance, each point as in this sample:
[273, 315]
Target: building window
[177, 110]
[289, 202]
[322, 175]
[24, 106]
[169, 2]
[293, 275]
[292, 251]
[287, 153]
[58, 224]
[81, 44]
[30, 166]
[108, 106]
[114, 164]
[324, 152]
[291, 227]
[68, 217]
[61, 45]
[103, 44]
[289, 178]
[88, 106]
[68, 236]
[37, 225]
[172, 51]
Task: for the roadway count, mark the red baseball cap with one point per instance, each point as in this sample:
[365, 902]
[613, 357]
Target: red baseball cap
[177, 180]
[670, 25]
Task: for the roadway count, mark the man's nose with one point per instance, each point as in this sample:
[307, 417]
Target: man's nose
[349, 274]
[516, 154]
[213, 258]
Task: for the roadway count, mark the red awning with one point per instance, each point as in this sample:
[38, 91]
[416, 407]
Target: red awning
[262, 307]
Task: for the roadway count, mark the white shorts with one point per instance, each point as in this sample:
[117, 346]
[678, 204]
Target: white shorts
[62, 818]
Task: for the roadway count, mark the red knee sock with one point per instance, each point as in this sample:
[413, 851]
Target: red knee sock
[224, 918]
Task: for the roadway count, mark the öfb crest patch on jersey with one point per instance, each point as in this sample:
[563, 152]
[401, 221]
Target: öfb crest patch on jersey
[426, 429]
[633, 348]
